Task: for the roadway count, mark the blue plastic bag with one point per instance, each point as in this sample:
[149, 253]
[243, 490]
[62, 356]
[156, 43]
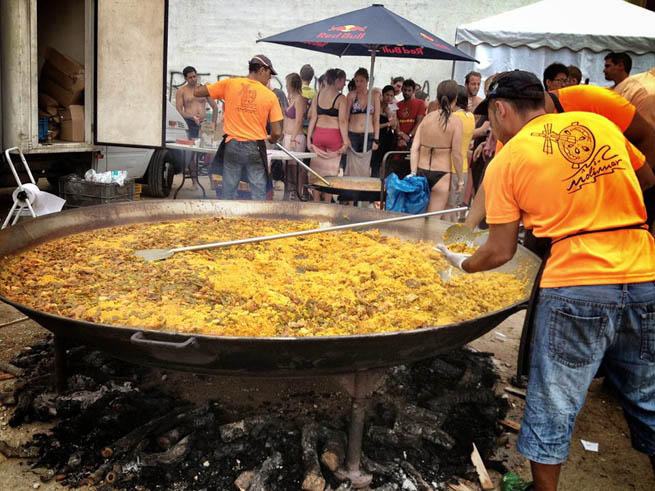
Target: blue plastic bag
[409, 195]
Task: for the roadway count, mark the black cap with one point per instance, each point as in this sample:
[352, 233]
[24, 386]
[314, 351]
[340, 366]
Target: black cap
[264, 61]
[512, 85]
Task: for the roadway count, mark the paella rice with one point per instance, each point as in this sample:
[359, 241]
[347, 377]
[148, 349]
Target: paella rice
[320, 285]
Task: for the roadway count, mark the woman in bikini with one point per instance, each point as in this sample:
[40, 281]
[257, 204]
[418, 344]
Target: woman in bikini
[437, 142]
[358, 113]
[327, 135]
[294, 138]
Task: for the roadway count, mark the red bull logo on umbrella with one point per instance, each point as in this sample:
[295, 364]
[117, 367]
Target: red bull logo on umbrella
[433, 42]
[349, 31]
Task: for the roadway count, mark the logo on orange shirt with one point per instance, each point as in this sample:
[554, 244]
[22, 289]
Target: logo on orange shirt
[576, 144]
[248, 96]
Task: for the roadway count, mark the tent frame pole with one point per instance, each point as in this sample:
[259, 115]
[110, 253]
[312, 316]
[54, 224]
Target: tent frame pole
[374, 49]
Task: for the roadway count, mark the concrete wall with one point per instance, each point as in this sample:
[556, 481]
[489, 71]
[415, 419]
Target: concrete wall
[218, 37]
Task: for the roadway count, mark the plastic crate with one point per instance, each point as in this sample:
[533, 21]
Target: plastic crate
[78, 192]
[44, 124]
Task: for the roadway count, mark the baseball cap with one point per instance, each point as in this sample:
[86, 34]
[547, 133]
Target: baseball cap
[263, 60]
[516, 84]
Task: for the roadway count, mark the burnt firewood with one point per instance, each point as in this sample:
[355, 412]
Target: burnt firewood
[388, 486]
[389, 438]
[416, 476]
[12, 369]
[471, 396]
[263, 472]
[426, 431]
[333, 450]
[22, 409]
[416, 413]
[7, 398]
[375, 467]
[174, 455]
[233, 431]
[171, 437]
[230, 449]
[159, 425]
[45, 406]
[313, 479]
[18, 452]
[445, 369]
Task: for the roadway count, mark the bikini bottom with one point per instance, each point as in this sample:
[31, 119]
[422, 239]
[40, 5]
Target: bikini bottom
[433, 176]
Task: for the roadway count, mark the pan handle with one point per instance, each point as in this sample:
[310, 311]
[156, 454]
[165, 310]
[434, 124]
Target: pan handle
[139, 338]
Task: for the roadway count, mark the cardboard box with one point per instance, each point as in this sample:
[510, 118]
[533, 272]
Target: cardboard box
[62, 78]
[72, 82]
[65, 63]
[65, 97]
[48, 105]
[72, 123]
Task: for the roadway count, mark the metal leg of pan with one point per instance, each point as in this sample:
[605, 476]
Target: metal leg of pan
[359, 386]
[60, 364]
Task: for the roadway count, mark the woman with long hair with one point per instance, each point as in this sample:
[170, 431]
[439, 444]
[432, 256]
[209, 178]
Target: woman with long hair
[438, 140]
[294, 138]
[327, 135]
[359, 111]
[388, 123]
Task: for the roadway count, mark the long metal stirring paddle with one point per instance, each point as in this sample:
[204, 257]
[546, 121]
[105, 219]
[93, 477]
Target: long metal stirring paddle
[305, 166]
[159, 254]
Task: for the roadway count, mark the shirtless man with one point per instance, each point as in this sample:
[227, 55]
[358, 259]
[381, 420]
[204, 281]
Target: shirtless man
[472, 84]
[192, 110]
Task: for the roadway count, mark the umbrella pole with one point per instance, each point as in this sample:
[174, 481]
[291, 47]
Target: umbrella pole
[370, 96]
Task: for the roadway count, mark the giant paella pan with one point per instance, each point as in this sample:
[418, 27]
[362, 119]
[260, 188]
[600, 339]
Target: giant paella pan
[184, 349]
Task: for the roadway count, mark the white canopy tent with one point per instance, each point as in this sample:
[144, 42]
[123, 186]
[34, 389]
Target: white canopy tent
[572, 32]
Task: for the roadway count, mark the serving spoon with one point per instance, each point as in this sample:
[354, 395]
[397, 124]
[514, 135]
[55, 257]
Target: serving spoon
[159, 254]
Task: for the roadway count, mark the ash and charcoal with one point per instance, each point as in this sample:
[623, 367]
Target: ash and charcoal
[114, 428]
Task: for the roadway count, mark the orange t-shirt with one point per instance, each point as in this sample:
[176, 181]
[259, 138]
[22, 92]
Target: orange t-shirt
[592, 99]
[565, 173]
[599, 100]
[249, 105]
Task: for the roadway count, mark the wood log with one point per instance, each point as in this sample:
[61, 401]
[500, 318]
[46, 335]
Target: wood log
[173, 455]
[389, 438]
[159, 425]
[416, 476]
[375, 467]
[244, 481]
[171, 437]
[313, 479]
[18, 452]
[426, 431]
[6, 376]
[22, 409]
[263, 473]
[485, 480]
[333, 450]
[12, 369]
[233, 431]
[512, 425]
[515, 391]
[416, 413]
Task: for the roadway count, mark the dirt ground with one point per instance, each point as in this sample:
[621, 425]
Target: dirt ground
[614, 467]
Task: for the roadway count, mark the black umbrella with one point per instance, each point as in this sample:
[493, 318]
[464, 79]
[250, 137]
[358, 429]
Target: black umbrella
[371, 31]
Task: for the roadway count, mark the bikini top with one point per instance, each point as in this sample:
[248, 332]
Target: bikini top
[431, 150]
[358, 109]
[333, 111]
[291, 111]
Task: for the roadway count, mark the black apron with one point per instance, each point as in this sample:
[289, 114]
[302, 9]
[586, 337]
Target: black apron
[543, 246]
[217, 162]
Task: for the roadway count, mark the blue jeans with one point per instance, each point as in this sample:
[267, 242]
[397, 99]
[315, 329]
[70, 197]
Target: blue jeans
[577, 329]
[243, 157]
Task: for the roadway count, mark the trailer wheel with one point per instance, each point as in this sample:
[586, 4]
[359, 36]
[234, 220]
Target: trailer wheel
[160, 174]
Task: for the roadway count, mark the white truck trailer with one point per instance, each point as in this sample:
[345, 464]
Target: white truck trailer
[122, 45]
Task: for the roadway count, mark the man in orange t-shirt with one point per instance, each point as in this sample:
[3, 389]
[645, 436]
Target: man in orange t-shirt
[249, 105]
[575, 179]
[607, 103]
